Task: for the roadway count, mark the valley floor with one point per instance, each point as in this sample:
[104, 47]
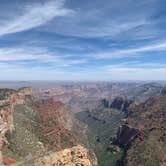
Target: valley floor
[100, 134]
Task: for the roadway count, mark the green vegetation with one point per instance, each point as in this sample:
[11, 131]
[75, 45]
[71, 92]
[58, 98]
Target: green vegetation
[152, 147]
[150, 152]
[23, 141]
[99, 133]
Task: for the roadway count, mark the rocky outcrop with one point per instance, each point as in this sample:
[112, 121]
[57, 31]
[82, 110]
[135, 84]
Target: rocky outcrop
[75, 156]
[121, 104]
[8, 99]
[126, 135]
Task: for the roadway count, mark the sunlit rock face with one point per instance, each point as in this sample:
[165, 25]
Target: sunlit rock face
[77, 155]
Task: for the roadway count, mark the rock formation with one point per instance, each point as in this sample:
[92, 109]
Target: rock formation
[75, 156]
[56, 124]
[121, 104]
[126, 134]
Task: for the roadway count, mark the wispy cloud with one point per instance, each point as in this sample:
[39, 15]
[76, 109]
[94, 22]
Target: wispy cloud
[99, 27]
[25, 53]
[74, 62]
[120, 53]
[37, 54]
[35, 16]
[112, 72]
[78, 40]
[103, 19]
[134, 65]
[135, 71]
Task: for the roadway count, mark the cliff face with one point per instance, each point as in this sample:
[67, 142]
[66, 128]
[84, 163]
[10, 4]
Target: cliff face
[55, 124]
[126, 135]
[8, 99]
[121, 104]
[143, 133]
[54, 111]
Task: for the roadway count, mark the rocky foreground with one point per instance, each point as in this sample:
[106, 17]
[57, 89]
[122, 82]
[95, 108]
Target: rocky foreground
[75, 156]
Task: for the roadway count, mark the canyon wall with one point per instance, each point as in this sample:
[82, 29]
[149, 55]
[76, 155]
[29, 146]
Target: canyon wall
[8, 99]
[143, 133]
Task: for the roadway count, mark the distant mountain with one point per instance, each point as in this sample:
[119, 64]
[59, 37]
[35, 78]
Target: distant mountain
[87, 95]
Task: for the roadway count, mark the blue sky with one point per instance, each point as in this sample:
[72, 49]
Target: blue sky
[102, 40]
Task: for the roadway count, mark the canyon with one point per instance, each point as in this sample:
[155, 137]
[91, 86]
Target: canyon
[72, 124]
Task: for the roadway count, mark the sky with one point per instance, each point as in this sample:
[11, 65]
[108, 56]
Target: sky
[79, 40]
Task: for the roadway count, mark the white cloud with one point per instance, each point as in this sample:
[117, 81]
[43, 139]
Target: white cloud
[78, 26]
[35, 16]
[135, 65]
[131, 51]
[121, 72]
[106, 20]
[20, 72]
[42, 55]
[25, 53]
[136, 71]
[75, 62]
